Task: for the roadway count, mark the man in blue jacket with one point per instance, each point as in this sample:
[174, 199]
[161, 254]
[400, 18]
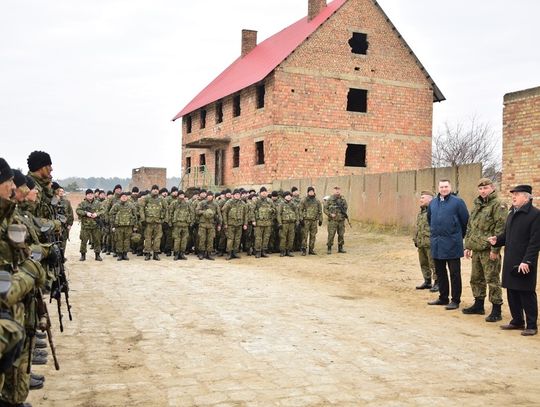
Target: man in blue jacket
[447, 217]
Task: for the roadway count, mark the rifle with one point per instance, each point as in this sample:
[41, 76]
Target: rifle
[343, 213]
[45, 325]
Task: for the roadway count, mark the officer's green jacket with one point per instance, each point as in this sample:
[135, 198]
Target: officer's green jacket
[123, 214]
[208, 213]
[336, 205]
[85, 206]
[181, 213]
[68, 210]
[487, 218]
[422, 234]
[43, 206]
[310, 208]
[153, 210]
[287, 212]
[235, 213]
[265, 212]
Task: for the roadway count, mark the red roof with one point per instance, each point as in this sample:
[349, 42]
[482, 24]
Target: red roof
[261, 61]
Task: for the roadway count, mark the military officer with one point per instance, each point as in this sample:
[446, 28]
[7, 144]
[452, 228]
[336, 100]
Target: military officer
[123, 216]
[311, 215]
[210, 220]
[181, 217]
[287, 219]
[89, 210]
[336, 210]
[153, 212]
[234, 221]
[264, 214]
[422, 242]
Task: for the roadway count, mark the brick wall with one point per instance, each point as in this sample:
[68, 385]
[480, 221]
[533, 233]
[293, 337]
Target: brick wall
[521, 139]
[145, 177]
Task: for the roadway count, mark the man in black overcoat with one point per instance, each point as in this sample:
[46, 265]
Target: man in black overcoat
[521, 239]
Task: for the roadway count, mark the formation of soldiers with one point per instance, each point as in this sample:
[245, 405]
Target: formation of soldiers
[35, 220]
[149, 223]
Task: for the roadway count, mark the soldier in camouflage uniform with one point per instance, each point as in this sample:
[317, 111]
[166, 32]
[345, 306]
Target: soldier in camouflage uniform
[234, 214]
[336, 209]
[40, 170]
[123, 217]
[106, 208]
[273, 241]
[422, 241]
[166, 239]
[209, 216]
[63, 207]
[193, 202]
[295, 192]
[153, 212]
[311, 215]
[137, 241]
[487, 219]
[222, 239]
[264, 212]
[89, 211]
[106, 239]
[181, 217]
[249, 233]
[287, 219]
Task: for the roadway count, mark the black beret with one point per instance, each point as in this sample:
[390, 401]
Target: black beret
[263, 189]
[163, 190]
[275, 193]
[155, 187]
[310, 189]
[89, 191]
[109, 193]
[522, 188]
[135, 190]
[117, 186]
[210, 193]
[6, 173]
[286, 193]
[180, 192]
[30, 183]
[37, 160]
[55, 185]
[19, 178]
[294, 189]
[174, 189]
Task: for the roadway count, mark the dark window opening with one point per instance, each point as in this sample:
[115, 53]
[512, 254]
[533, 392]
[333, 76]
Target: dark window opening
[202, 162]
[357, 100]
[188, 165]
[355, 156]
[359, 43]
[259, 152]
[188, 124]
[219, 112]
[203, 118]
[236, 157]
[261, 90]
[236, 106]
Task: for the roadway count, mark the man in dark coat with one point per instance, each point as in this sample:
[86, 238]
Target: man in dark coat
[447, 217]
[521, 238]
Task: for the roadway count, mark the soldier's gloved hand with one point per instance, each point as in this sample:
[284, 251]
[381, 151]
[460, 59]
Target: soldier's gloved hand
[320, 223]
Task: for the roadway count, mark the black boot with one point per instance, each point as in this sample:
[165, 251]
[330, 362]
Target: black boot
[208, 256]
[288, 253]
[125, 257]
[304, 252]
[35, 384]
[200, 256]
[329, 249]
[495, 313]
[231, 255]
[140, 253]
[176, 256]
[235, 255]
[476, 308]
[119, 257]
[98, 257]
[182, 256]
[312, 252]
[147, 256]
[435, 288]
[258, 254]
[282, 253]
[168, 254]
[340, 249]
[425, 285]
[263, 254]
[156, 256]
[83, 257]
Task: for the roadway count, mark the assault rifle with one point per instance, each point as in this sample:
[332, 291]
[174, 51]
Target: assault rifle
[45, 325]
[343, 212]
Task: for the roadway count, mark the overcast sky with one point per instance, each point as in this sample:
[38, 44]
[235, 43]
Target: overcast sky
[96, 83]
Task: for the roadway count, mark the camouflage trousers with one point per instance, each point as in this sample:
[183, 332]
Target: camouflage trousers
[286, 236]
[234, 236]
[248, 238]
[309, 230]
[486, 272]
[207, 234]
[180, 236]
[262, 236]
[16, 380]
[223, 239]
[298, 238]
[333, 228]
[167, 241]
[93, 235]
[152, 237]
[426, 264]
[11, 333]
[123, 238]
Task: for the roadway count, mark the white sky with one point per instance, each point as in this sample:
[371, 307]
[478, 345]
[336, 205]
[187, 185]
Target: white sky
[95, 83]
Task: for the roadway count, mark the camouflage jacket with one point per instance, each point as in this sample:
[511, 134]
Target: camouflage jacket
[287, 212]
[43, 207]
[310, 209]
[337, 206]
[123, 214]
[153, 210]
[208, 213]
[487, 218]
[235, 213]
[85, 207]
[265, 212]
[181, 213]
[422, 235]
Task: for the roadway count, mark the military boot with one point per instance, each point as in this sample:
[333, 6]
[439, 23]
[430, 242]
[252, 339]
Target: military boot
[208, 256]
[235, 255]
[476, 308]
[495, 313]
[264, 254]
[36, 376]
[435, 287]
[124, 256]
[140, 253]
[282, 253]
[83, 257]
[40, 352]
[200, 256]
[108, 250]
[115, 254]
[176, 256]
[147, 256]
[39, 359]
[35, 384]
[98, 257]
[340, 249]
[425, 285]
[156, 256]
[312, 252]
[231, 255]
[258, 254]
[182, 256]
[119, 257]
[288, 253]
[41, 335]
[41, 343]
[304, 252]
[168, 254]
[329, 249]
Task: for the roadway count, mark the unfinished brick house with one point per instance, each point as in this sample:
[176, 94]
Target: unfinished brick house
[339, 92]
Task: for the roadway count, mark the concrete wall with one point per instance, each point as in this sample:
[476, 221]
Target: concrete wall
[391, 198]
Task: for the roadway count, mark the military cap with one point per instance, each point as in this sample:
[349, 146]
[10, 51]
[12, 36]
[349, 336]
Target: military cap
[6, 173]
[484, 182]
[155, 187]
[522, 188]
[275, 193]
[202, 191]
[109, 193]
[293, 189]
[252, 191]
[162, 190]
[236, 191]
[117, 186]
[37, 160]
[228, 191]
[310, 189]
[135, 190]
[19, 178]
[286, 193]
[30, 183]
[89, 191]
[180, 192]
[55, 185]
[97, 191]
[210, 193]
[427, 193]
[174, 189]
[263, 189]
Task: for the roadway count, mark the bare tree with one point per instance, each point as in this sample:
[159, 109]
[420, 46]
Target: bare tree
[469, 143]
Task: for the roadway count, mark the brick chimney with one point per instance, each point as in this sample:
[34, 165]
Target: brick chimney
[249, 41]
[315, 7]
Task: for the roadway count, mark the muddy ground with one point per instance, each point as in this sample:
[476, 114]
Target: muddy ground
[344, 330]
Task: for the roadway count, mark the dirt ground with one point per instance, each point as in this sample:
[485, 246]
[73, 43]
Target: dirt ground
[344, 330]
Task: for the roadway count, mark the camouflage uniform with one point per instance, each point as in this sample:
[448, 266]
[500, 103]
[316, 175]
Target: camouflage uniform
[298, 230]
[422, 241]
[123, 217]
[139, 246]
[311, 215]
[89, 226]
[336, 206]
[181, 217]
[234, 214]
[167, 238]
[287, 220]
[264, 218]
[209, 216]
[222, 235]
[153, 212]
[249, 234]
[193, 242]
[487, 219]
[106, 208]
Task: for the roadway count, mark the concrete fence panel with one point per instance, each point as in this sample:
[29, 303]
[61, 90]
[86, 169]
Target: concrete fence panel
[468, 176]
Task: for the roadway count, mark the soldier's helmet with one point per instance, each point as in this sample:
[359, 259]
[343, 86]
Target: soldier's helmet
[136, 238]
